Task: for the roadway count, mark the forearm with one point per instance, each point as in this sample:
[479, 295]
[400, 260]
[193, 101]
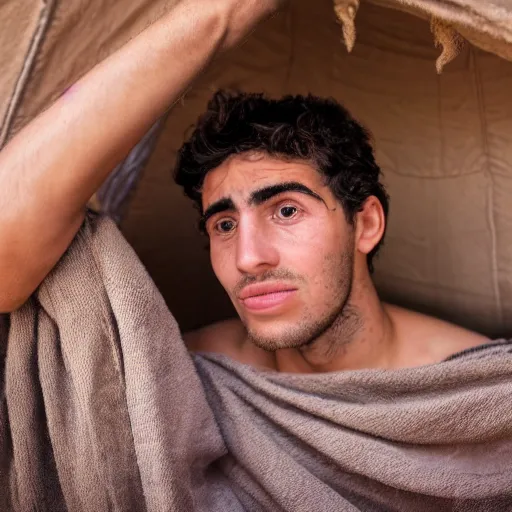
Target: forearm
[73, 145]
[53, 166]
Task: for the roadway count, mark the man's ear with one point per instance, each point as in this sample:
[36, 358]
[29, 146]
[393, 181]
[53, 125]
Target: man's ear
[370, 225]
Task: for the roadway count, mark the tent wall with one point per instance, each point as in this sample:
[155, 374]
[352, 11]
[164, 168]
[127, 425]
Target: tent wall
[59, 41]
[20, 22]
[443, 143]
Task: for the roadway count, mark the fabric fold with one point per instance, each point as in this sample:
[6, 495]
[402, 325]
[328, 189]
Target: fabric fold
[103, 408]
[437, 437]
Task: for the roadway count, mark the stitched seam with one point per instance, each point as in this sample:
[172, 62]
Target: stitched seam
[28, 65]
[490, 189]
[293, 41]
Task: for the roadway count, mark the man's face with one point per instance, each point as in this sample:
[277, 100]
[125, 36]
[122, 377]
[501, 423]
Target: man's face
[280, 246]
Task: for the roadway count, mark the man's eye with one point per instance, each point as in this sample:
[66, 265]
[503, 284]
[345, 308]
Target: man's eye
[287, 212]
[225, 226]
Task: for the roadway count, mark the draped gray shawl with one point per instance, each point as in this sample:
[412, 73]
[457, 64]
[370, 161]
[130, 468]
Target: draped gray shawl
[102, 408]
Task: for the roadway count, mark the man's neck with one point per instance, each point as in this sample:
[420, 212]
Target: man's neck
[361, 337]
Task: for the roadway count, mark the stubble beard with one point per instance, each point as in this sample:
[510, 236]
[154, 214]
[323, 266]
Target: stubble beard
[337, 326]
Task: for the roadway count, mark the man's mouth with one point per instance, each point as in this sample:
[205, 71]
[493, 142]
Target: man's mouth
[266, 296]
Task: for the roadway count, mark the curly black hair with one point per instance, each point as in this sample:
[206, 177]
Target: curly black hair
[315, 129]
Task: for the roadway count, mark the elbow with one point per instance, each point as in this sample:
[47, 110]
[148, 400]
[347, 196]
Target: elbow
[10, 303]
[7, 308]
[10, 307]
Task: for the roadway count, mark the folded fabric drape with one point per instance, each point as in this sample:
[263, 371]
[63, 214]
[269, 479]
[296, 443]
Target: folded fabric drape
[103, 408]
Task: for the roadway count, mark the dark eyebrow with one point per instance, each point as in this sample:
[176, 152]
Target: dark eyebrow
[257, 198]
[222, 205]
[264, 194]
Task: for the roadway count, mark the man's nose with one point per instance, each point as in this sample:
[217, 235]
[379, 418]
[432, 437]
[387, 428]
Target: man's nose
[256, 250]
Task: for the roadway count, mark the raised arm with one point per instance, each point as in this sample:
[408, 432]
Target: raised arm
[51, 168]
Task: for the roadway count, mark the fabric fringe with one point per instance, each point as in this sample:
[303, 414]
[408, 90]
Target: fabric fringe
[445, 35]
[448, 39]
[346, 11]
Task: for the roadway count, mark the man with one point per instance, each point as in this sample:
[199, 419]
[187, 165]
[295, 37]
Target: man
[290, 198]
[291, 201]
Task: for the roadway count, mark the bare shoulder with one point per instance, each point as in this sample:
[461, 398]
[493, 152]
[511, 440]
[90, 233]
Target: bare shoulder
[228, 337]
[435, 338]
[222, 336]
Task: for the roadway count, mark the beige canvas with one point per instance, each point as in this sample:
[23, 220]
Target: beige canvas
[442, 141]
[80, 34]
[22, 25]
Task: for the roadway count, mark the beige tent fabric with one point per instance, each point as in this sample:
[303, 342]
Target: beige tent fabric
[443, 141]
[22, 29]
[487, 25]
[80, 35]
[83, 34]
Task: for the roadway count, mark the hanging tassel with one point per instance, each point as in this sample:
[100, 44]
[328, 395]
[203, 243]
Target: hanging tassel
[346, 11]
[446, 37]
